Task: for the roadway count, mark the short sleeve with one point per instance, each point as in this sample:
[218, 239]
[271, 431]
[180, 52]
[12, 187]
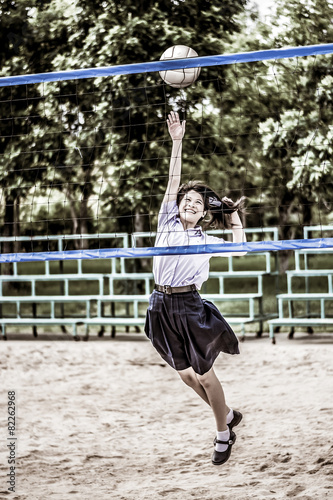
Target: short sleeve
[168, 212]
[213, 240]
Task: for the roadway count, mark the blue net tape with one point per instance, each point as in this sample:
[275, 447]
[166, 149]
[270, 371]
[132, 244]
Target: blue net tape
[127, 69]
[108, 253]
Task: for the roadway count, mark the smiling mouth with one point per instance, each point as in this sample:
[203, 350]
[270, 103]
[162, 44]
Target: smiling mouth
[190, 211]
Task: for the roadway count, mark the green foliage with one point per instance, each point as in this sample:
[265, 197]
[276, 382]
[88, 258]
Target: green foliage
[263, 129]
[297, 137]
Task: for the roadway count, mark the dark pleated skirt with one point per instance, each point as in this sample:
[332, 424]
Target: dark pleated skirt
[187, 330]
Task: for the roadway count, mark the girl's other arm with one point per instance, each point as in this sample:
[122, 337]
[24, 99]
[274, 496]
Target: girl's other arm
[238, 233]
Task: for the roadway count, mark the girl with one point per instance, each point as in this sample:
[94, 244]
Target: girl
[187, 331]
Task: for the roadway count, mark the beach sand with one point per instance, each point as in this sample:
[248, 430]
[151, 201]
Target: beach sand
[108, 419]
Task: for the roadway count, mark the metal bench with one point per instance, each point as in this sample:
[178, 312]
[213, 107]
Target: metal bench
[147, 278]
[310, 319]
[52, 277]
[307, 273]
[118, 275]
[106, 321]
[61, 299]
[52, 300]
[307, 252]
[101, 321]
[305, 322]
[221, 276]
[73, 322]
[290, 297]
[216, 298]
[115, 321]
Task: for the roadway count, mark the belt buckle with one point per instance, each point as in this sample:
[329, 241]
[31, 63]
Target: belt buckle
[167, 289]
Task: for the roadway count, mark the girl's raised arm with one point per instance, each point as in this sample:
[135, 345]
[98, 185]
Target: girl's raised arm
[176, 131]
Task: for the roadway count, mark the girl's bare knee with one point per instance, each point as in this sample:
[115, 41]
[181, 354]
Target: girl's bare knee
[206, 379]
[188, 376]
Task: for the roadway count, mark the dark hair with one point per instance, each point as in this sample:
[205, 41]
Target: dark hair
[217, 208]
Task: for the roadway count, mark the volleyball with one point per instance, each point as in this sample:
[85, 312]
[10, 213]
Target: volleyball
[179, 78]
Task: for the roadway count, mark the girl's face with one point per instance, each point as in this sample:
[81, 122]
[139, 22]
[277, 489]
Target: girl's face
[191, 209]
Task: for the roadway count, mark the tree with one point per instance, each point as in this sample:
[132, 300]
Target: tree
[106, 138]
[16, 39]
[38, 132]
[133, 125]
[99, 148]
[296, 137]
[279, 123]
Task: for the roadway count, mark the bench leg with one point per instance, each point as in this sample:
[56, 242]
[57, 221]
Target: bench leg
[113, 314]
[271, 334]
[242, 333]
[34, 313]
[127, 328]
[101, 331]
[261, 323]
[86, 336]
[75, 335]
[291, 315]
[3, 331]
[261, 329]
[62, 309]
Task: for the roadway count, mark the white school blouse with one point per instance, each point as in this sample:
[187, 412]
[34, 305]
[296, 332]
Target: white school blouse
[180, 270]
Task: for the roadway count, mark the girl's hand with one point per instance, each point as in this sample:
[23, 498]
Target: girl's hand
[227, 200]
[175, 127]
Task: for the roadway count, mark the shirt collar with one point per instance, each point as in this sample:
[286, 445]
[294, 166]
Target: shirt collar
[192, 231]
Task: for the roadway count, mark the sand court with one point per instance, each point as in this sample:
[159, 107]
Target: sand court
[109, 419]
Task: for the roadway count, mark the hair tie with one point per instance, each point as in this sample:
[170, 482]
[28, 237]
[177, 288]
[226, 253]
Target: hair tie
[214, 202]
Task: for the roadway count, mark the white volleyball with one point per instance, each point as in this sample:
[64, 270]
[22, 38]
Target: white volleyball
[179, 78]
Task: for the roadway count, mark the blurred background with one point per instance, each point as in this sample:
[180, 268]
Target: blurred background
[91, 156]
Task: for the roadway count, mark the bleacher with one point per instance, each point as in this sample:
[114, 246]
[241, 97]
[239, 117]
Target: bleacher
[124, 293]
[303, 271]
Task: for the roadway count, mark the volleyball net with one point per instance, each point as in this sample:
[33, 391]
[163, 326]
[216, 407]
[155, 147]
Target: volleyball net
[87, 152]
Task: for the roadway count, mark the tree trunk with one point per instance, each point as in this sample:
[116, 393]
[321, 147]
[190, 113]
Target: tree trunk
[83, 243]
[16, 232]
[287, 232]
[74, 218]
[142, 264]
[8, 229]
[80, 222]
[307, 214]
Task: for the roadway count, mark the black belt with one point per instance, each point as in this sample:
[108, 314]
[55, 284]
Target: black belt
[175, 289]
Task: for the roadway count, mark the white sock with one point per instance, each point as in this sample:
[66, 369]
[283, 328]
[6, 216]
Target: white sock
[222, 436]
[230, 416]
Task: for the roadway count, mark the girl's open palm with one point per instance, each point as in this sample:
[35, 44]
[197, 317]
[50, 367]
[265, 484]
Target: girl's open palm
[175, 126]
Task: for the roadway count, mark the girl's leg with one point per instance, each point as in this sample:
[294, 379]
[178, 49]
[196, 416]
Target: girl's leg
[214, 392]
[209, 388]
[190, 378]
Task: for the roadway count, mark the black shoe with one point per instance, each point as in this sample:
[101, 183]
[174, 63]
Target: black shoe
[236, 420]
[220, 457]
